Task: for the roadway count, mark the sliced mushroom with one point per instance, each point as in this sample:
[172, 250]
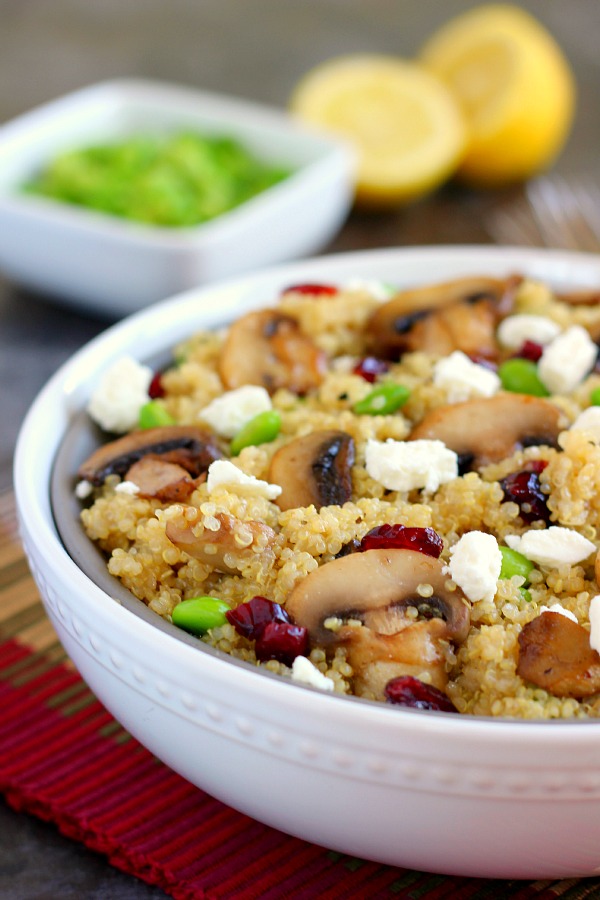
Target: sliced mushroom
[268, 348]
[314, 469]
[555, 654]
[440, 318]
[580, 297]
[164, 481]
[228, 547]
[371, 593]
[487, 429]
[187, 446]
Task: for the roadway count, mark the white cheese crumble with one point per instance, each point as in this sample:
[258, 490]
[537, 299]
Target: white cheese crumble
[558, 608]
[567, 360]
[377, 289]
[224, 473]
[306, 673]
[406, 465]
[515, 330]
[594, 616]
[84, 489]
[475, 563]
[552, 547]
[589, 421]
[123, 389]
[229, 413]
[127, 487]
[462, 378]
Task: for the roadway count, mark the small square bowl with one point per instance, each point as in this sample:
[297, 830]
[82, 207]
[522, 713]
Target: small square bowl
[114, 267]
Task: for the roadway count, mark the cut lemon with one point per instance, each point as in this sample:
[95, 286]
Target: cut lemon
[405, 125]
[515, 86]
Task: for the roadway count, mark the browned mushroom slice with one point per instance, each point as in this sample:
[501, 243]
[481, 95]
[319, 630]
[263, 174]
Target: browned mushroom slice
[187, 446]
[488, 429]
[228, 547]
[268, 348]
[580, 297]
[455, 315]
[376, 588]
[164, 481]
[555, 654]
[314, 469]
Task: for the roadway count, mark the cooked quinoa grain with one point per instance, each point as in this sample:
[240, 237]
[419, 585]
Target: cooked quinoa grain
[372, 612]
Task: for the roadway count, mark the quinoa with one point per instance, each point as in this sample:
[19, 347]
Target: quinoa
[262, 550]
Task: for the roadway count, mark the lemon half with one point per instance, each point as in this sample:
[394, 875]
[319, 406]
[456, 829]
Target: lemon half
[515, 86]
[406, 127]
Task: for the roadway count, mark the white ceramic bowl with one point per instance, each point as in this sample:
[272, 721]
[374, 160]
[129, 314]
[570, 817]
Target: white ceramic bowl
[451, 794]
[115, 267]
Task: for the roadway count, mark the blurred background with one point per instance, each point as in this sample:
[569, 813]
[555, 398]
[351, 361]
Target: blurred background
[258, 50]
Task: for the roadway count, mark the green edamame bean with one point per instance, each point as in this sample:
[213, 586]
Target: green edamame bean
[386, 398]
[199, 614]
[595, 397]
[520, 376]
[526, 595]
[261, 429]
[514, 563]
[153, 415]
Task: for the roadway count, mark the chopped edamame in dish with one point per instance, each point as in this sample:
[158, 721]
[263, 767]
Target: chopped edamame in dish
[177, 180]
[351, 478]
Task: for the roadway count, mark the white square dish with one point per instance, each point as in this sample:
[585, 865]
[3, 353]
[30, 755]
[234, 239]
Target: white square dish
[114, 267]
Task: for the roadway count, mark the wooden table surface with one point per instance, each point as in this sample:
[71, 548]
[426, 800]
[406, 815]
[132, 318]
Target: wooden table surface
[255, 49]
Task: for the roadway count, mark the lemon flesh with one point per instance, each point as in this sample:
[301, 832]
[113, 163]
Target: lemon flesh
[515, 86]
[407, 129]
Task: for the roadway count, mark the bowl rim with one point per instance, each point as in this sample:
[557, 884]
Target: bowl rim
[63, 390]
[329, 152]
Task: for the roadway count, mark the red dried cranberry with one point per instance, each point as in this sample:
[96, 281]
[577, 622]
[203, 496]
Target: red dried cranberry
[525, 489]
[530, 350]
[282, 641]
[323, 289]
[411, 692]
[156, 388]
[399, 537]
[250, 619]
[370, 367]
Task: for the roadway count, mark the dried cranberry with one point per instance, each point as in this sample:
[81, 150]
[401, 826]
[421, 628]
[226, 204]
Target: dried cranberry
[525, 489]
[370, 367]
[530, 350]
[282, 641]
[250, 619]
[323, 289]
[156, 388]
[399, 537]
[411, 692]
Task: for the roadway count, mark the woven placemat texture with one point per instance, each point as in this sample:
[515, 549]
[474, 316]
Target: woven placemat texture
[66, 760]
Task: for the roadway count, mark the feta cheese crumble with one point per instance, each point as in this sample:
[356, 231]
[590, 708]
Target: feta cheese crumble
[475, 563]
[594, 616]
[552, 547]
[84, 489]
[589, 421]
[558, 608]
[305, 672]
[229, 413]
[377, 289]
[406, 465]
[567, 360]
[515, 330]
[224, 473]
[462, 378]
[127, 487]
[123, 389]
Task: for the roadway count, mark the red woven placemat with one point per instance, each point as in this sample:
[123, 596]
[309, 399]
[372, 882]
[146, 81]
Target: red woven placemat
[65, 759]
